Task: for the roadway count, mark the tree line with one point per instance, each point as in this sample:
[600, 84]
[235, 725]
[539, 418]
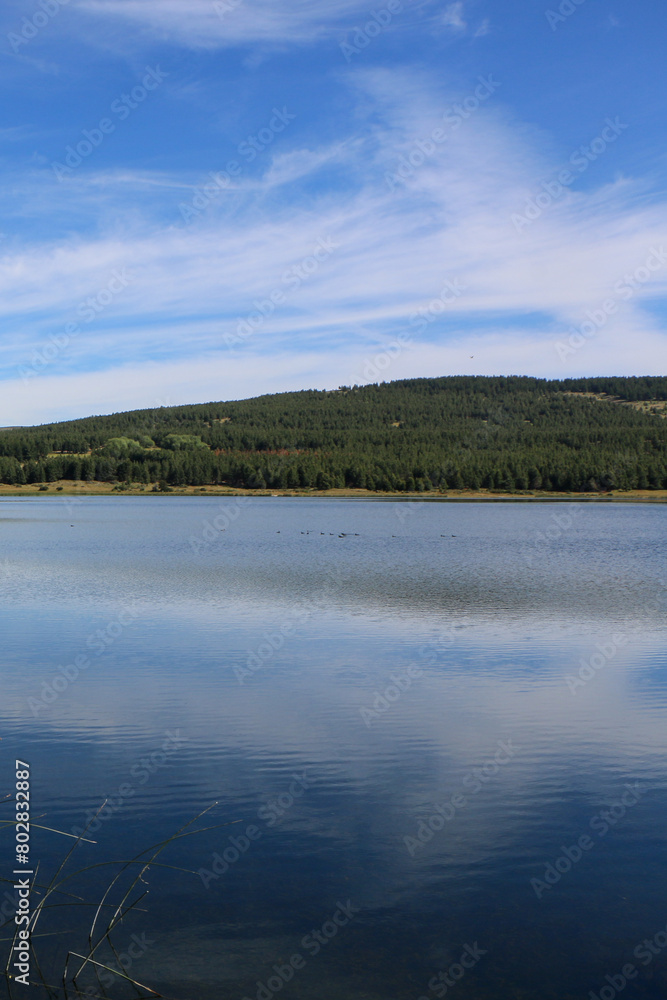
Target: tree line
[460, 432]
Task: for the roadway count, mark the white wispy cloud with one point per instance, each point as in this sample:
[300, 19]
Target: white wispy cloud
[394, 242]
[214, 23]
[452, 16]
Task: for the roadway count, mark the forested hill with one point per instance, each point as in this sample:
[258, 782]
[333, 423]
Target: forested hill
[509, 433]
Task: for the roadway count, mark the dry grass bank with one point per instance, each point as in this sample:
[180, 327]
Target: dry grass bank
[68, 488]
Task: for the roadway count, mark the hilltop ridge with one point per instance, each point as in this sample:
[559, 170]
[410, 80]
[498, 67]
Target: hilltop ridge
[507, 433]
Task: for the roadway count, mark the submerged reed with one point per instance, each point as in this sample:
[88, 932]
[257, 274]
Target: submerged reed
[125, 890]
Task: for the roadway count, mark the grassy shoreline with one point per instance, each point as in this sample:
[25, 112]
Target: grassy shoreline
[68, 488]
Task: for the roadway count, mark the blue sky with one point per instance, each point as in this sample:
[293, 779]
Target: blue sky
[213, 199]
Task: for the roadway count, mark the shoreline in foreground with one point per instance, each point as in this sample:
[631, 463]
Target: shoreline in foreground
[68, 488]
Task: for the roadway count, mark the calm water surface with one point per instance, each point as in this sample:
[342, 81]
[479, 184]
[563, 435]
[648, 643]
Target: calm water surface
[438, 729]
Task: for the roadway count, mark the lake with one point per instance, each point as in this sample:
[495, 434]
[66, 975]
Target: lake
[432, 735]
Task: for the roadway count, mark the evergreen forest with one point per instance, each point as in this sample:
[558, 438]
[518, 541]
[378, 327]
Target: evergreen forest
[509, 434]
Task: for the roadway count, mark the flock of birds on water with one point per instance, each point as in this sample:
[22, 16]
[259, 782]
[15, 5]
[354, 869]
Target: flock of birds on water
[344, 534]
[347, 534]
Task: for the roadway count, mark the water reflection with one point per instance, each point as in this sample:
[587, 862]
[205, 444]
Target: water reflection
[383, 656]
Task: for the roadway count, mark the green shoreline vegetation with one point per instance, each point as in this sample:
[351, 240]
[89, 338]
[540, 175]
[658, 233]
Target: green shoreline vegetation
[458, 437]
